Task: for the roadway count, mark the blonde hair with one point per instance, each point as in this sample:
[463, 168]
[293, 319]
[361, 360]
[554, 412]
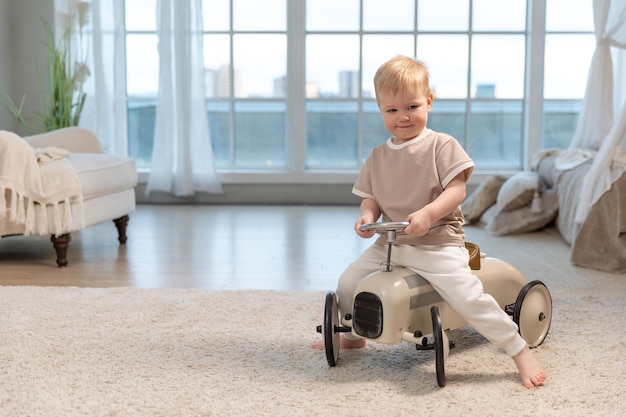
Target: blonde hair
[401, 73]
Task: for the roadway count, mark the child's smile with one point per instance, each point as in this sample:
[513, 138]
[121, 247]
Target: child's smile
[405, 114]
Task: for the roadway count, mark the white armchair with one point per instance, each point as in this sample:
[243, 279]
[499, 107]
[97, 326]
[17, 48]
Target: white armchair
[106, 182]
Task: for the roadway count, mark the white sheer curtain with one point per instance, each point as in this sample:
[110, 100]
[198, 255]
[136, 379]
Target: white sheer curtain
[182, 159]
[105, 106]
[103, 113]
[596, 128]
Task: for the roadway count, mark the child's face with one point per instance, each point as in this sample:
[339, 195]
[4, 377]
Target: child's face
[405, 114]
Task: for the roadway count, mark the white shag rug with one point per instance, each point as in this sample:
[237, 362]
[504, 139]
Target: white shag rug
[162, 352]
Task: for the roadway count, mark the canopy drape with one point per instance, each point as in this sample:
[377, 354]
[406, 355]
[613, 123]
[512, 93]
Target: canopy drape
[598, 128]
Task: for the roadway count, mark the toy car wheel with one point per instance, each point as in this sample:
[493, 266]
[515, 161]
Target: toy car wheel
[440, 344]
[331, 336]
[533, 312]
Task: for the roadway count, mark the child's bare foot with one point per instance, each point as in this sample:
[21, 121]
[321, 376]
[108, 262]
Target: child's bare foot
[530, 370]
[318, 345]
[343, 343]
[351, 344]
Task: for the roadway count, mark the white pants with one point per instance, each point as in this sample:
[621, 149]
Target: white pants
[446, 268]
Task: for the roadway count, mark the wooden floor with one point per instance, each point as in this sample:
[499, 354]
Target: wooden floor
[206, 247]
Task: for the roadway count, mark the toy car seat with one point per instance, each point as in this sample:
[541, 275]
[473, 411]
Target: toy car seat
[474, 252]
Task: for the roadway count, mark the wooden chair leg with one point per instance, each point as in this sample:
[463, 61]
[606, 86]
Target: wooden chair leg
[61, 243]
[121, 224]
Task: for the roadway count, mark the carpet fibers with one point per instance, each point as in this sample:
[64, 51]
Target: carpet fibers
[163, 352]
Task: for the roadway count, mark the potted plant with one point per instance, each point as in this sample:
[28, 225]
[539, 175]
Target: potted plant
[62, 92]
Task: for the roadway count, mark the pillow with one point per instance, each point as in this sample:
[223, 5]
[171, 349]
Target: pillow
[482, 198]
[518, 191]
[488, 215]
[547, 171]
[524, 219]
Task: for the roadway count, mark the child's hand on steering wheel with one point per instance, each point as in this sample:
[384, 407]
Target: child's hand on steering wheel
[419, 223]
[363, 233]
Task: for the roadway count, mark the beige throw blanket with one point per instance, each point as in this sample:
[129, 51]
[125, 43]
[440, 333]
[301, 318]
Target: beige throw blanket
[37, 188]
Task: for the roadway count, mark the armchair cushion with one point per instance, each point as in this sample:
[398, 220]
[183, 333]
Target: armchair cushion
[102, 174]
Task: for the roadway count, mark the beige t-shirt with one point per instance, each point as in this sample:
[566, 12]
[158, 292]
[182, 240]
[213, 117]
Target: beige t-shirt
[404, 178]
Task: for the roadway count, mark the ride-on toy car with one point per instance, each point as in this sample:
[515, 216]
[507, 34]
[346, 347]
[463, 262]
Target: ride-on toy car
[396, 304]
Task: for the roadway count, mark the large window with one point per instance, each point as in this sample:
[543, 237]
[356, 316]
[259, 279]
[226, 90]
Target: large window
[474, 50]
[289, 85]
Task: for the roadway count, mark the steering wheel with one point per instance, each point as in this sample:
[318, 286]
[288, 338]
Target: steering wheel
[390, 230]
[384, 227]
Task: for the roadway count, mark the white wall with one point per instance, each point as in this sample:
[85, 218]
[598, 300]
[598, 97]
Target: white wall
[23, 53]
[6, 122]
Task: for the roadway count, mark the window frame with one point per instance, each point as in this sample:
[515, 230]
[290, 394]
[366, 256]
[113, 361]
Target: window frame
[295, 170]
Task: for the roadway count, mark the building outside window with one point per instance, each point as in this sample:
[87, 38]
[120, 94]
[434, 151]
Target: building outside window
[290, 91]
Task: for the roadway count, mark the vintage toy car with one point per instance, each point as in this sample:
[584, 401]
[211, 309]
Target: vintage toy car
[396, 304]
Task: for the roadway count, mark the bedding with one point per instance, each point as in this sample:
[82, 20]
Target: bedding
[600, 241]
